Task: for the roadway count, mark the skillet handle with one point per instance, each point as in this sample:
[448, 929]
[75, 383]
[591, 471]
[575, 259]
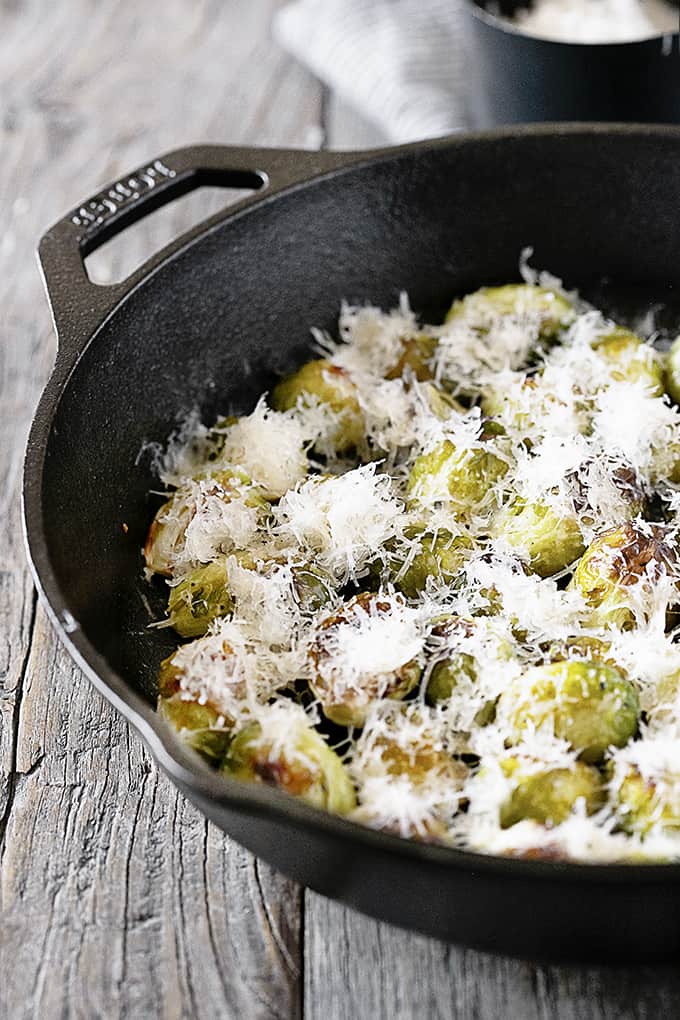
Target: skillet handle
[80, 306]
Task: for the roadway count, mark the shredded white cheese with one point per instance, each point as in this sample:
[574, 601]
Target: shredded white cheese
[385, 583]
[597, 21]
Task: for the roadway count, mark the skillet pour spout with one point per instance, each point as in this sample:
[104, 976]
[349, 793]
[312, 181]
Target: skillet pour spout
[209, 323]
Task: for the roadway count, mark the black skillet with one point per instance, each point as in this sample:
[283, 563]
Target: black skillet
[210, 322]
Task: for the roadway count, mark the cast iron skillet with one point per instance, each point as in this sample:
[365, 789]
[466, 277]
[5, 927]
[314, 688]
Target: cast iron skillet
[210, 322]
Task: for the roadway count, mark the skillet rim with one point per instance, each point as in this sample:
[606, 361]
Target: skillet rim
[185, 768]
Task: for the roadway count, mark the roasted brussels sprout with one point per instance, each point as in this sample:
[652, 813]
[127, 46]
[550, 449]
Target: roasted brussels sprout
[585, 702]
[672, 374]
[547, 540]
[619, 570]
[627, 499]
[514, 405]
[441, 403]
[445, 676]
[549, 310]
[645, 803]
[370, 649]
[212, 671]
[331, 385]
[460, 479]
[294, 758]
[438, 555]
[550, 796]
[199, 725]
[313, 588]
[630, 359]
[204, 595]
[416, 356]
[200, 598]
[450, 663]
[404, 740]
[167, 535]
[405, 744]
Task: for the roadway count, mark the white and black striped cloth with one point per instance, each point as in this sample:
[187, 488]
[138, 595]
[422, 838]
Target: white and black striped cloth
[399, 62]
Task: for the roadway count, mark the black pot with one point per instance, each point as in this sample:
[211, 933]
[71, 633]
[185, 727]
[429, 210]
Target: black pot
[209, 322]
[515, 78]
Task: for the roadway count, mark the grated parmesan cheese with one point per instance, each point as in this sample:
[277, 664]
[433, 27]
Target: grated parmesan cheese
[316, 541]
[344, 520]
[597, 21]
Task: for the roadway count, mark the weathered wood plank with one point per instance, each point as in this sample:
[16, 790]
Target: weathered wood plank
[117, 893]
[356, 967]
[116, 897]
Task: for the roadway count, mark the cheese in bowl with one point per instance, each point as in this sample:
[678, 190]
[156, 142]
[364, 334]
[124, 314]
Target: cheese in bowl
[431, 581]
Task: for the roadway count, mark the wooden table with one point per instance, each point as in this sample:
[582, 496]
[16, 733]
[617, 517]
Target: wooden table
[117, 897]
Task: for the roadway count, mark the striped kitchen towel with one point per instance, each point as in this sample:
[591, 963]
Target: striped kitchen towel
[398, 62]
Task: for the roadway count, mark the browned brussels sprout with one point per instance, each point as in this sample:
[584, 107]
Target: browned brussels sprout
[549, 310]
[439, 555]
[199, 599]
[619, 570]
[416, 356]
[459, 479]
[167, 535]
[293, 757]
[548, 541]
[585, 702]
[550, 796]
[331, 385]
[368, 650]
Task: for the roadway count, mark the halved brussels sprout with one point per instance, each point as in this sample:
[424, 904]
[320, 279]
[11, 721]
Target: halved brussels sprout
[210, 671]
[547, 308]
[313, 588]
[439, 555]
[460, 479]
[404, 740]
[416, 355]
[643, 803]
[202, 726]
[166, 537]
[299, 762]
[513, 405]
[547, 540]
[446, 674]
[405, 744]
[331, 385]
[550, 796]
[441, 403]
[199, 599]
[630, 359]
[451, 663]
[672, 374]
[347, 687]
[447, 642]
[204, 729]
[585, 702]
[615, 568]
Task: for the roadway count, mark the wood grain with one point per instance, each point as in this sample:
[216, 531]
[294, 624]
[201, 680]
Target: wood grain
[117, 898]
[356, 967]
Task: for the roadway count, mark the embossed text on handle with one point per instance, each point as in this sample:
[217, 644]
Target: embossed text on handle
[102, 207]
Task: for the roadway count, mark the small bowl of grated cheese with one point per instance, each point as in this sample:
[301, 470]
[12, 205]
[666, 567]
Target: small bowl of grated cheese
[574, 60]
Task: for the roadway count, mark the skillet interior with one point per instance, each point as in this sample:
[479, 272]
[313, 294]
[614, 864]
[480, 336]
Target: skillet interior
[216, 324]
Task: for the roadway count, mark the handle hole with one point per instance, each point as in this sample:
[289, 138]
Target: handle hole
[114, 260]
